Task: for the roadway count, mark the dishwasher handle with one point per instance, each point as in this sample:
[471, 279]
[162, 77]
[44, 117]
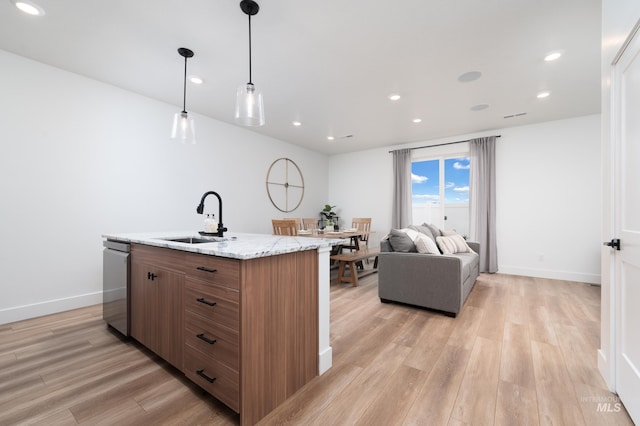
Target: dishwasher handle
[117, 246]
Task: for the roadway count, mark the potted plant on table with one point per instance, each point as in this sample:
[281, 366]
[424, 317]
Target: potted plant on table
[330, 216]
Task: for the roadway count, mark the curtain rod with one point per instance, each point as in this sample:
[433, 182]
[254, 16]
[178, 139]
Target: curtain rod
[443, 144]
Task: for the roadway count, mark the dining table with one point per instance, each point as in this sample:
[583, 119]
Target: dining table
[351, 238]
[351, 234]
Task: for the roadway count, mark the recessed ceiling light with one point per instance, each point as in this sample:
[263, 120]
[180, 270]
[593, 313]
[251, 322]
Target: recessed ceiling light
[479, 107]
[543, 95]
[417, 120]
[394, 96]
[28, 7]
[552, 56]
[469, 76]
[297, 123]
[330, 138]
[195, 79]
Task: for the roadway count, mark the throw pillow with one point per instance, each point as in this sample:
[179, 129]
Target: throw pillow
[449, 233]
[401, 242]
[423, 230]
[411, 233]
[453, 244]
[434, 230]
[424, 244]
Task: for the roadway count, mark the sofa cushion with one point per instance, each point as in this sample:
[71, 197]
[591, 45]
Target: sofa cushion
[424, 244]
[469, 263]
[452, 244]
[401, 242]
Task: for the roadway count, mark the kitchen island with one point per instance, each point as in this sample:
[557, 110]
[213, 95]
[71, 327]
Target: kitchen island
[246, 316]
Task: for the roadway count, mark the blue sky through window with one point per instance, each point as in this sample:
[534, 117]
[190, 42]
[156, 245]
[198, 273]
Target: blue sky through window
[425, 178]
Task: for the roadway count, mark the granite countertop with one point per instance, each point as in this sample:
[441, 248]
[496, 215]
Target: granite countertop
[233, 245]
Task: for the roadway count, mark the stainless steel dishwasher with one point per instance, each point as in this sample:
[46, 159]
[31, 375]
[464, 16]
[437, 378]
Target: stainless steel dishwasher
[115, 285]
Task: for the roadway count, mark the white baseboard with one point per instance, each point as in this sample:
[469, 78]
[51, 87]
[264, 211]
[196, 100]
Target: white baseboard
[325, 360]
[48, 307]
[554, 275]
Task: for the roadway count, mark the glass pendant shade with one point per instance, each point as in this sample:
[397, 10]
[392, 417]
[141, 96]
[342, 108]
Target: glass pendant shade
[184, 129]
[249, 106]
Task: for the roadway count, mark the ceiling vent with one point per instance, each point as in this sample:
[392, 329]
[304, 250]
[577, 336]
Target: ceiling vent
[515, 115]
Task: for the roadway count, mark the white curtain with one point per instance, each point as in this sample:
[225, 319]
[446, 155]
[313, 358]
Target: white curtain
[482, 201]
[402, 212]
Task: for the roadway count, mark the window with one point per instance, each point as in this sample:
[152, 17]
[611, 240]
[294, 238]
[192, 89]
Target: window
[440, 192]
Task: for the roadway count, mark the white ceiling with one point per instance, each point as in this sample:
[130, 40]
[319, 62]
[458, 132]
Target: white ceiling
[331, 64]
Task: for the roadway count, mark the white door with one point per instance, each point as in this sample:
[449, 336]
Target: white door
[626, 128]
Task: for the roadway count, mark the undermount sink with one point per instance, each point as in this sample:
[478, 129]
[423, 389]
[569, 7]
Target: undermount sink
[195, 240]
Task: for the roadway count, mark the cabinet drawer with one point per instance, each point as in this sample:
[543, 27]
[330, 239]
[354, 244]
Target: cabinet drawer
[217, 304]
[216, 378]
[216, 270]
[200, 333]
[161, 257]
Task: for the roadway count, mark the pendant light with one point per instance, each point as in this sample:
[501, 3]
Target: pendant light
[183, 125]
[249, 106]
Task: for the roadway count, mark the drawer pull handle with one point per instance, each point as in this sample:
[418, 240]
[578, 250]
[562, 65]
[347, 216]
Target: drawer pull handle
[205, 301]
[202, 268]
[204, 376]
[201, 336]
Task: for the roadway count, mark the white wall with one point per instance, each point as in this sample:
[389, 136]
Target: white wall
[618, 19]
[360, 185]
[548, 195]
[548, 200]
[81, 158]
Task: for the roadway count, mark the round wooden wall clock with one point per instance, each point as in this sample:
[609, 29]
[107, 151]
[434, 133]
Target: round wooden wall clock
[285, 185]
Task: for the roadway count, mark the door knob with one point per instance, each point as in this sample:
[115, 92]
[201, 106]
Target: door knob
[614, 243]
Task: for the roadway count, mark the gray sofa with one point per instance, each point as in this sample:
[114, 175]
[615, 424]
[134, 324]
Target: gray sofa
[435, 281]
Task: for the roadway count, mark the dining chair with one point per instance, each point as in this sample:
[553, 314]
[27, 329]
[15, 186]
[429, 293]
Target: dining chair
[298, 221]
[284, 227]
[362, 224]
[309, 223]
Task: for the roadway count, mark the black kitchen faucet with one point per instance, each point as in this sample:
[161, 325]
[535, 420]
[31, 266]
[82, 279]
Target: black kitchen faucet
[200, 210]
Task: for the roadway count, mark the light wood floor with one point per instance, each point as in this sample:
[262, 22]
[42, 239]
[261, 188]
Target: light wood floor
[522, 352]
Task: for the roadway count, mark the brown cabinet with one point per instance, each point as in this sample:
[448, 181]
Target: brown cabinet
[157, 309]
[248, 328]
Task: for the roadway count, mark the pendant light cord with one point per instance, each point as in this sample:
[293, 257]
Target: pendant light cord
[250, 82]
[184, 87]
